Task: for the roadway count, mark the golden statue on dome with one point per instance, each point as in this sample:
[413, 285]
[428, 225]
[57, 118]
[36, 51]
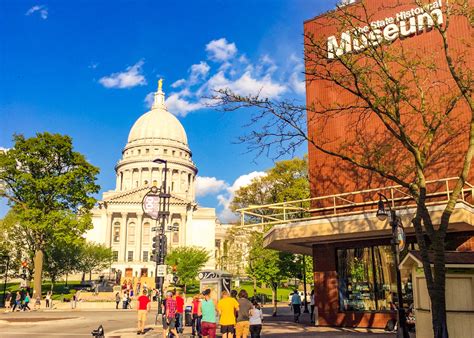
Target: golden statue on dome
[160, 85]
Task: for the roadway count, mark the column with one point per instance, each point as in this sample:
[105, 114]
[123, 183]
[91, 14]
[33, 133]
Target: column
[123, 236]
[117, 182]
[151, 175]
[139, 237]
[140, 183]
[107, 220]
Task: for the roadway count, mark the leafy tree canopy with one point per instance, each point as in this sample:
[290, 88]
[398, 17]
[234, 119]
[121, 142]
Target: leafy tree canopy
[188, 261]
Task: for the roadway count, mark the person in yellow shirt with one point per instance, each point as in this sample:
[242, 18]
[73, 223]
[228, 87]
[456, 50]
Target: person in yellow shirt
[227, 308]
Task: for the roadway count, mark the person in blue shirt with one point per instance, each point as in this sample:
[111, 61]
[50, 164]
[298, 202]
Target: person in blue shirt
[296, 305]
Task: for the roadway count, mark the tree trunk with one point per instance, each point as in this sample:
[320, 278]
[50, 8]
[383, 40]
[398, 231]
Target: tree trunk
[438, 292]
[38, 262]
[255, 287]
[83, 279]
[66, 279]
[274, 300]
[90, 276]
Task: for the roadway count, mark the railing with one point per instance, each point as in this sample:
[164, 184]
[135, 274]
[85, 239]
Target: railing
[350, 203]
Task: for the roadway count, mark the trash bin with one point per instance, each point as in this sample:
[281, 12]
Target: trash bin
[188, 317]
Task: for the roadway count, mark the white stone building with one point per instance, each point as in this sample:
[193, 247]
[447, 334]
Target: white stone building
[119, 221]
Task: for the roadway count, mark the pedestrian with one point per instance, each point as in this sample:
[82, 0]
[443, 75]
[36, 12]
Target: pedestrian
[8, 299]
[130, 297]
[48, 299]
[125, 300]
[207, 311]
[296, 305]
[17, 303]
[227, 308]
[196, 318]
[74, 301]
[242, 327]
[169, 320]
[117, 299]
[312, 304]
[37, 305]
[143, 307]
[26, 302]
[179, 312]
[256, 317]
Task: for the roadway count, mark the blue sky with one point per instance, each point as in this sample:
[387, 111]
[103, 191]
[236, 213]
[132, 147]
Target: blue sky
[85, 68]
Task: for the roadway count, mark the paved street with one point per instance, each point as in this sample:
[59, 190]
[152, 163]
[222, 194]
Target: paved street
[121, 324]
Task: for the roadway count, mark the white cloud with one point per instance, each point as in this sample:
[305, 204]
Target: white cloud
[248, 84]
[224, 200]
[40, 9]
[178, 83]
[220, 50]
[129, 78]
[209, 185]
[149, 99]
[198, 71]
[297, 83]
[179, 106]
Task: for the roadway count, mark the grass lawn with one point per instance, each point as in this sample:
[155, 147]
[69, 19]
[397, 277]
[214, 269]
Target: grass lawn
[282, 293]
[60, 290]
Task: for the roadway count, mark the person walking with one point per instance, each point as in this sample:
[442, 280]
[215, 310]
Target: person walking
[242, 327]
[74, 301]
[196, 318]
[143, 308]
[125, 300]
[227, 308]
[37, 305]
[312, 304]
[296, 305]
[48, 299]
[17, 303]
[256, 318]
[26, 302]
[117, 299]
[207, 310]
[169, 320]
[179, 312]
[7, 301]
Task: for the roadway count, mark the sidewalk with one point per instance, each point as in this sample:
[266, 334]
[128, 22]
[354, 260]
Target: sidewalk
[276, 327]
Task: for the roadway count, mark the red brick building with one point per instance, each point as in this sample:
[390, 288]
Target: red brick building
[354, 271]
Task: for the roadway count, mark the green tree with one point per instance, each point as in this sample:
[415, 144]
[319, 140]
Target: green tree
[287, 180]
[49, 186]
[62, 258]
[93, 257]
[270, 266]
[188, 261]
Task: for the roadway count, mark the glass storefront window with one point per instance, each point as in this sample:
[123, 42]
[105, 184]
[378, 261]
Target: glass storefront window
[356, 288]
[367, 279]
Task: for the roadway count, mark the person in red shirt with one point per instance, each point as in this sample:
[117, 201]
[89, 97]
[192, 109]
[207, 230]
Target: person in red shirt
[142, 308]
[179, 312]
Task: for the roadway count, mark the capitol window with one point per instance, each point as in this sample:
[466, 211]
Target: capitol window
[146, 233]
[139, 151]
[147, 151]
[131, 233]
[165, 151]
[116, 232]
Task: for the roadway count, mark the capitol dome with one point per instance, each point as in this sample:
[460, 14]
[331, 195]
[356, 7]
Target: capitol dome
[158, 123]
[157, 134]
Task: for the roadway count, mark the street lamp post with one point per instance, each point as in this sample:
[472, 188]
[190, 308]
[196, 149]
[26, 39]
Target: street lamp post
[163, 215]
[156, 205]
[7, 258]
[382, 215]
[305, 302]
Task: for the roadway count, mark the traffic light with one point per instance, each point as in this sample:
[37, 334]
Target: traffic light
[159, 247]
